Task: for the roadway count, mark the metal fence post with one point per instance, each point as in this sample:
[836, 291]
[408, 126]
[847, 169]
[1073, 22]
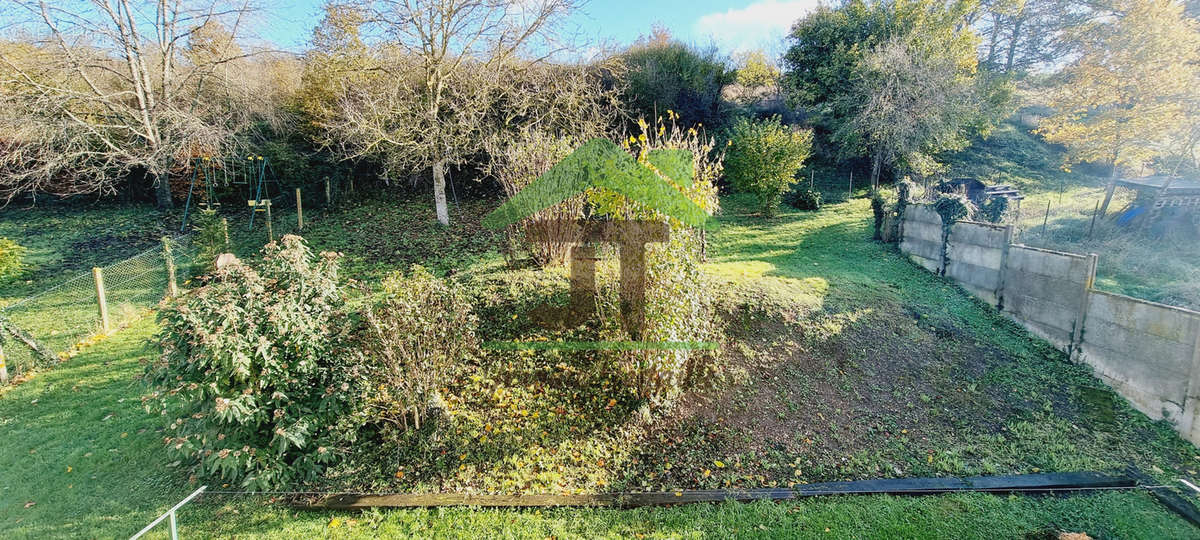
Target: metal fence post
[299, 212]
[170, 517]
[98, 277]
[169, 259]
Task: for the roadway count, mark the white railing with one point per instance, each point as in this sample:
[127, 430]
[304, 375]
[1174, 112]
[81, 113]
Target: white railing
[170, 517]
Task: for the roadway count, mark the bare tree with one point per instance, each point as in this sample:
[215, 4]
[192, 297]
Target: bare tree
[438, 63]
[911, 104]
[103, 88]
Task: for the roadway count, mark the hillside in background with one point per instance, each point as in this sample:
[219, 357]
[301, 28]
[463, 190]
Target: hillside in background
[1057, 214]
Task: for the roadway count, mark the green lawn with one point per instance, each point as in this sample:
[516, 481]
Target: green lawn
[843, 361]
[68, 239]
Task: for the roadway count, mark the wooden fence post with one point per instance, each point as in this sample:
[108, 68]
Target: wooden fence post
[101, 299]
[270, 231]
[1092, 227]
[1045, 221]
[169, 260]
[3, 365]
[168, 257]
[299, 212]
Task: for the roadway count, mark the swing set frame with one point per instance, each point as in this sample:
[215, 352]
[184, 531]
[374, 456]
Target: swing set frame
[253, 169]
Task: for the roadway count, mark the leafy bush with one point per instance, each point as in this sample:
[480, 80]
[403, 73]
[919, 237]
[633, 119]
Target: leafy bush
[678, 298]
[212, 238]
[755, 69]
[953, 207]
[993, 209]
[662, 74]
[679, 308]
[12, 256]
[252, 370]
[762, 158]
[804, 199]
[879, 211]
[416, 336]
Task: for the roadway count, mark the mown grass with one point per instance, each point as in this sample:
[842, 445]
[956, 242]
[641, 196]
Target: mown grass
[844, 361]
[66, 239]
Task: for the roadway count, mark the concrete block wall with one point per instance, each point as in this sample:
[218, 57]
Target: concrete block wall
[975, 254]
[921, 237]
[1149, 353]
[1046, 291]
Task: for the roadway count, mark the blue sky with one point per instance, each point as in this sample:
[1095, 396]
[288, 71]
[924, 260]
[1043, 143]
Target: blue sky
[733, 25]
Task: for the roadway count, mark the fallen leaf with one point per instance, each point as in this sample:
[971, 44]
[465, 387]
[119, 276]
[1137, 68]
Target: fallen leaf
[29, 504]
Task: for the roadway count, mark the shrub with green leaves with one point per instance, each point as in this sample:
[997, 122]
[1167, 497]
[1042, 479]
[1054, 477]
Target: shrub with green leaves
[993, 209]
[679, 308]
[667, 75]
[879, 211]
[212, 237]
[804, 199]
[12, 257]
[253, 372]
[953, 207]
[416, 337]
[762, 158]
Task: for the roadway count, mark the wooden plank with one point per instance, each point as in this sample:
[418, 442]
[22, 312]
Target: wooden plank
[1033, 483]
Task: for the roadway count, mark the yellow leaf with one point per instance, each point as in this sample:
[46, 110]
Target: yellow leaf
[719, 464]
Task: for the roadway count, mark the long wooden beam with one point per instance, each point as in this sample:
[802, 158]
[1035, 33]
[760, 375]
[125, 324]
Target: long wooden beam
[1027, 483]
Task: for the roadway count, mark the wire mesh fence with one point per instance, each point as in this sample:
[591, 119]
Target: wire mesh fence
[45, 327]
[60, 318]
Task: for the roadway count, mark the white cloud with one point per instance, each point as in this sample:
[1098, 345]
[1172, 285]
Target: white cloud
[762, 24]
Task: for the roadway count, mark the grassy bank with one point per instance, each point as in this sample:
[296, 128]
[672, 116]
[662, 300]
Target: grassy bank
[842, 361]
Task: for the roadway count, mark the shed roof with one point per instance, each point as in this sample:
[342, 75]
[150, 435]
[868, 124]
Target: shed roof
[1179, 185]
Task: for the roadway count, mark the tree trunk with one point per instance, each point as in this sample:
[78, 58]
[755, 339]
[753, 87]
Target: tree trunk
[162, 192]
[991, 55]
[1012, 44]
[1108, 193]
[876, 165]
[439, 192]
